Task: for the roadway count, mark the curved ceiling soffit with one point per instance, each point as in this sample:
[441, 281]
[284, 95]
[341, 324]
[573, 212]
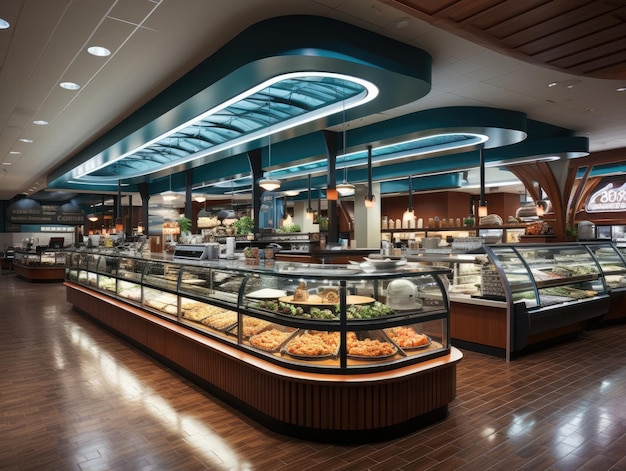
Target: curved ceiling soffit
[280, 45]
[410, 144]
[584, 38]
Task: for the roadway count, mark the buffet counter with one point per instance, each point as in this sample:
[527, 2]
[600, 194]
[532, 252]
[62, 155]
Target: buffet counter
[324, 352]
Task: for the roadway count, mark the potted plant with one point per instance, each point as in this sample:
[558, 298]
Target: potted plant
[244, 225]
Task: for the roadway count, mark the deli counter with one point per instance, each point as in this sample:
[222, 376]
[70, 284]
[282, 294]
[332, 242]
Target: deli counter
[301, 348]
[513, 297]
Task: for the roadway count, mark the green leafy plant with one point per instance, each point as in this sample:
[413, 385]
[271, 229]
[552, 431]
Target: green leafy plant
[184, 223]
[290, 228]
[244, 225]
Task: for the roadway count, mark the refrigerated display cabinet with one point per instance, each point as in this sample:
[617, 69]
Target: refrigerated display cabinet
[332, 327]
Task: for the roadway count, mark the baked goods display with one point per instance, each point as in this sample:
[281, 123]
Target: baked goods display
[407, 337]
[222, 321]
[269, 340]
[314, 344]
[329, 296]
[251, 326]
[301, 294]
[196, 311]
[368, 347]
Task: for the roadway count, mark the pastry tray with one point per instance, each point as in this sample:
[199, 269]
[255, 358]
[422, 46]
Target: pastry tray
[374, 335]
[417, 347]
[285, 350]
[281, 345]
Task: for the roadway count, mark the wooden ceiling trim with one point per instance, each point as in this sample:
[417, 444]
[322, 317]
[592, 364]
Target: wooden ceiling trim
[600, 57]
[490, 18]
[581, 37]
[550, 31]
[557, 46]
[542, 21]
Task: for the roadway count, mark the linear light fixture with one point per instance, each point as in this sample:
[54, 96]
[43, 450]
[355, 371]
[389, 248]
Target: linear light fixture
[370, 92]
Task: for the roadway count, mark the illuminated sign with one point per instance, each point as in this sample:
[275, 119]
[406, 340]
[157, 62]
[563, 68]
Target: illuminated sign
[610, 198]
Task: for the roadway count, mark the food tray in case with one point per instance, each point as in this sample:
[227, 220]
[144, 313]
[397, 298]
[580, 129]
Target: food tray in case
[321, 345]
[364, 345]
[407, 338]
[223, 321]
[273, 338]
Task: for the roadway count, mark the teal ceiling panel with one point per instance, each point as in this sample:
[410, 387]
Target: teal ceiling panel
[273, 74]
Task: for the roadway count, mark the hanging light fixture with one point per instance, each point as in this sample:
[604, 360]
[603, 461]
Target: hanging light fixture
[408, 218]
[482, 204]
[345, 188]
[540, 203]
[309, 210]
[93, 217]
[119, 221]
[169, 195]
[267, 182]
[370, 199]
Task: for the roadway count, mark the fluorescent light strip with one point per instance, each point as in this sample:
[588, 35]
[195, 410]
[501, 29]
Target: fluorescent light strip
[401, 154]
[371, 92]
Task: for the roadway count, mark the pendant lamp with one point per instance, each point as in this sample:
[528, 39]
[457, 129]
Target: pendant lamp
[345, 188]
[408, 218]
[309, 210]
[267, 182]
[93, 217]
[370, 199]
[482, 204]
[540, 203]
[169, 195]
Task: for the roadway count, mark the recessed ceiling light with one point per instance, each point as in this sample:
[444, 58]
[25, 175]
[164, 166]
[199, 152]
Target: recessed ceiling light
[6, 163]
[15, 152]
[402, 22]
[40, 122]
[27, 141]
[565, 83]
[69, 85]
[98, 51]
[4, 24]
[621, 89]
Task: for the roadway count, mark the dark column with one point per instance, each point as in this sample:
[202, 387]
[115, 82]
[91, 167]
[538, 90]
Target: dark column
[254, 157]
[331, 139]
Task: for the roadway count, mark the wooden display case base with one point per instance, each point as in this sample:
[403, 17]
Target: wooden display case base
[335, 408]
[39, 273]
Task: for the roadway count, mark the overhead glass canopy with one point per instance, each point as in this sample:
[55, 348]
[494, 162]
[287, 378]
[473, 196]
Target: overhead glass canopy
[282, 102]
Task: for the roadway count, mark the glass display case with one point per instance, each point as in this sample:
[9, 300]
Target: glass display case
[513, 295]
[39, 265]
[47, 258]
[551, 286]
[330, 317]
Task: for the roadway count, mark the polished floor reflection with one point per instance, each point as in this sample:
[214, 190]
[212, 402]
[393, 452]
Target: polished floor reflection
[75, 397]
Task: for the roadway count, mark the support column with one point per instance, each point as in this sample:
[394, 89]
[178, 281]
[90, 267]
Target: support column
[367, 221]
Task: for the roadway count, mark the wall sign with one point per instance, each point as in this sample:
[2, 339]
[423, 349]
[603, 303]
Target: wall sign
[610, 198]
[28, 211]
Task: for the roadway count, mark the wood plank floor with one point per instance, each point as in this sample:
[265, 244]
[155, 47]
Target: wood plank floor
[75, 397]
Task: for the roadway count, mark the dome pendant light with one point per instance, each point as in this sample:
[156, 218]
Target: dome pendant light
[541, 204]
[370, 199]
[309, 210]
[345, 188]
[482, 204]
[408, 218]
[267, 182]
[169, 195]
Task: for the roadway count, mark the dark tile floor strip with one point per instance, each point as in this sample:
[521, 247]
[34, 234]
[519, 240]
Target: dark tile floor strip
[75, 397]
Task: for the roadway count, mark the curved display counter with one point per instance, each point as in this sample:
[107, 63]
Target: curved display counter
[513, 297]
[320, 352]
